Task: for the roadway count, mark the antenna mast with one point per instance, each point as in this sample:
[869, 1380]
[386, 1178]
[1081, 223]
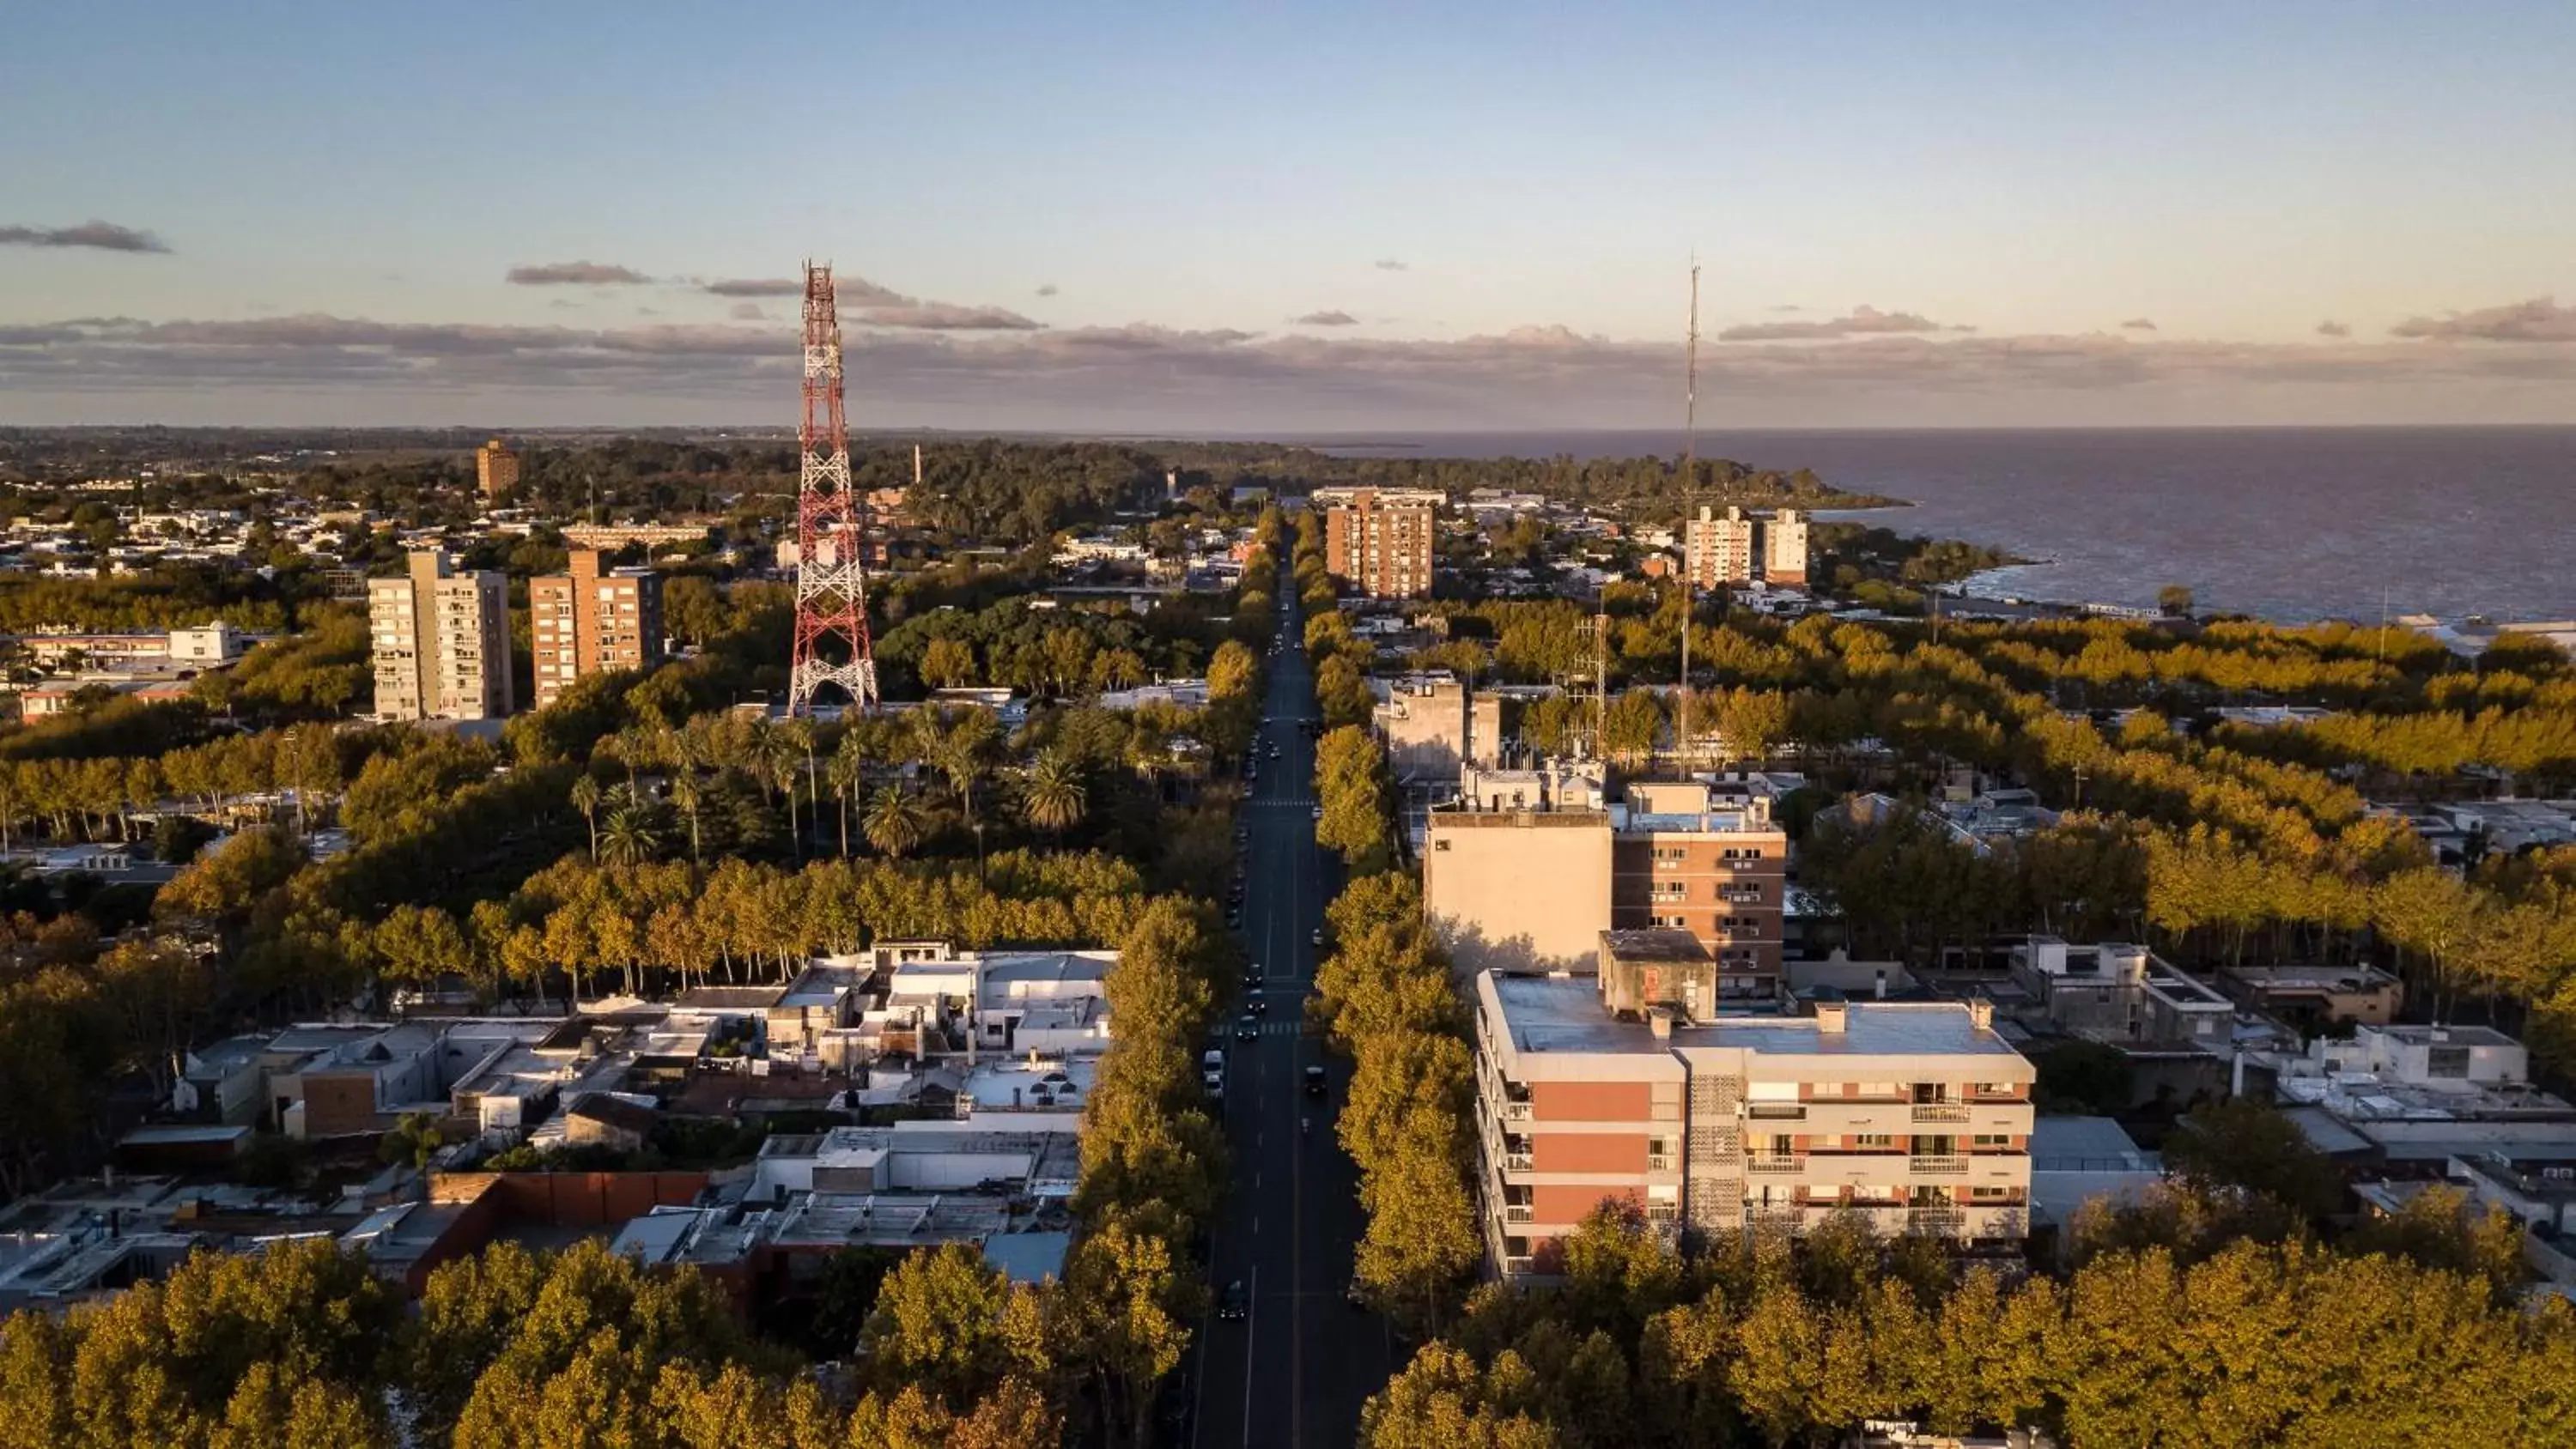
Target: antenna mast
[1690, 490]
[831, 645]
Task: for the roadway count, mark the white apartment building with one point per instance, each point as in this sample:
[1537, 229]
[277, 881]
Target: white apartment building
[441, 642]
[1915, 1115]
[1717, 551]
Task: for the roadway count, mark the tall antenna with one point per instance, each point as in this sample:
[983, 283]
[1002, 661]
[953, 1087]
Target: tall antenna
[831, 644]
[1690, 489]
[1690, 389]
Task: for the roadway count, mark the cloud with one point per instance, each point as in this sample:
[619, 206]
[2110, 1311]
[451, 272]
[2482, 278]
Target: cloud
[944, 317]
[748, 312]
[1390, 264]
[2332, 328]
[756, 287]
[1861, 321]
[2139, 324]
[103, 236]
[574, 274]
[1326, 319]
[2539, 320]
[1114, 378]
[1046, 289]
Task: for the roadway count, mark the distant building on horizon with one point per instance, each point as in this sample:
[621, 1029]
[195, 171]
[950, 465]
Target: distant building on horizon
[1379, 539]
[585, 622]
[441, 642]
[496, 468]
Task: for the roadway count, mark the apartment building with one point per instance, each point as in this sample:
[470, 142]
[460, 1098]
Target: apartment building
[441, 642]
[1378, 540]
[1682, 857]
[587, 622]
[1717, 552]
[1784, 548]
[1915, 1115]
[496, 469]
[1433, 724]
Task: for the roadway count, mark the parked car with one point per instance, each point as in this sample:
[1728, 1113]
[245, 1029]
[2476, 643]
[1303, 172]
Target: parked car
[1315, 1084]
[1234, 1302]
[1315, 937]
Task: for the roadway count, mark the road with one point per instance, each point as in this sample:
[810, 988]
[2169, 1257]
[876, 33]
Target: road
[1296, 1369]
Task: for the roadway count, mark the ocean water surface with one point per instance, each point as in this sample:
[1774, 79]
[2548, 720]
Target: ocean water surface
[2286, 523]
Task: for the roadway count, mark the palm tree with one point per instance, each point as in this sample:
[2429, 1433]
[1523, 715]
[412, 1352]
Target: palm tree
[585, 798]
[959, 749]
[848, 766]
[893, 824]
[786, 750]
[629, 837]
[1053, 796]
[684, 794]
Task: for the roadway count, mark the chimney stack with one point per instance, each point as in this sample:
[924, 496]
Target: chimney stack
[1981, 1014]
[1833, 1017]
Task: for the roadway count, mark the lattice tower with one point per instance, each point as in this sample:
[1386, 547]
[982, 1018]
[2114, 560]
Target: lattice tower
[831, 645]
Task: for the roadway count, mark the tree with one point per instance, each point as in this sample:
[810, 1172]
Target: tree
[947, 663]
[630, 837]
[585, 798]
[893, 824]
[2173, 601]
[2241, 1143]
[414, 1140]
[1053, 796]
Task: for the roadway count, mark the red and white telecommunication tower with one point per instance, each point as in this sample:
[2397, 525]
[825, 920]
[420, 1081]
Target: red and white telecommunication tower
[831, 582]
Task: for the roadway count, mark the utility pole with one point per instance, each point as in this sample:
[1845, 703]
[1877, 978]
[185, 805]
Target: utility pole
[1690, 490]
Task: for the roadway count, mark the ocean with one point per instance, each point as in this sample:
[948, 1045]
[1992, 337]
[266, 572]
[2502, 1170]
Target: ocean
[2291, 524]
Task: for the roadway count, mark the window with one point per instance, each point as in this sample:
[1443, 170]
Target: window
[2446, 1061]
[1992, 1141]
[1873, 1142]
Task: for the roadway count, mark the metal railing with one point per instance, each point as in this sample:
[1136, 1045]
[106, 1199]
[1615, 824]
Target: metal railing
[1774, 1161]
[1518, 1213]
[1659, 1162]
[1940, 1111]
[1930, 1166]
[1522, 1162]
[1511, 1111]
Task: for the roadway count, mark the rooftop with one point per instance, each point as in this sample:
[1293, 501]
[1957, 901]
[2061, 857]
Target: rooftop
[1563, 1014]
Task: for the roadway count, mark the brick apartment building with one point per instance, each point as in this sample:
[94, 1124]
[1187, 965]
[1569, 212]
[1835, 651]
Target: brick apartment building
[441, 642]
[1378, 540]
[496, 469]
[587, 622]
[1915, 1115]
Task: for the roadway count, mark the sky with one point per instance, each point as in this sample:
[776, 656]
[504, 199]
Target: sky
[1106, 217]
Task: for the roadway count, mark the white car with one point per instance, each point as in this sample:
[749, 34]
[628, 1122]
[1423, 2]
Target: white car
[1319, 812]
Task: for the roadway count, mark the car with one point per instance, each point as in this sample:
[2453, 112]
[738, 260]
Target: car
[1213, 1083]
[1274, 752]
[1256, 1004]
[1248, 1028]
[1318, 812]
[1234, 918]
[1315, 1084]
[1234, 1302]
[1315, 937]
[1252, 974]
[1355, 1293]
[1242, 835]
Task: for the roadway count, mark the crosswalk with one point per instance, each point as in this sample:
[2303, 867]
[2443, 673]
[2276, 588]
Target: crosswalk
[1289, 1027]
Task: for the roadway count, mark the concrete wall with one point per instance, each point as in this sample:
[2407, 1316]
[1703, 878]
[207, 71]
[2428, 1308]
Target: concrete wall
[1527, 892]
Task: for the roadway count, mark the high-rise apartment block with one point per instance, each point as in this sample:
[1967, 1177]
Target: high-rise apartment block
[1784, 548]
[496, 468]
[1626, 1085]
[1379, 539]
[1527, 869]
[588, 622]
[1723, 550]
[1717, 551]
[441, 642]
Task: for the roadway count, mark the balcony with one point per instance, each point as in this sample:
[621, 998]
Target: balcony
[1658, 1162]
[1523, 1162]
[1946, 1222]
[1777, 1161]
[1940, 1111]
[1517, 1212]
[1952, 1166]
[1516, 1111]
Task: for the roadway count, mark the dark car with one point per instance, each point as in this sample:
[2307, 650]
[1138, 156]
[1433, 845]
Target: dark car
[1355, 1293]
[1234, 1302]
[1256, 1004]
[1315, 1085]
[1248, 1029]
